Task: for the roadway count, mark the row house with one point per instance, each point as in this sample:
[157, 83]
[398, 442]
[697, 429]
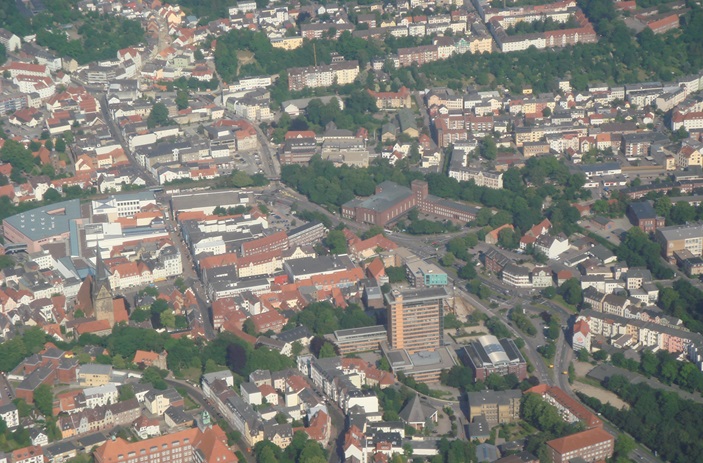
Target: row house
[642, 332]
[99, 418]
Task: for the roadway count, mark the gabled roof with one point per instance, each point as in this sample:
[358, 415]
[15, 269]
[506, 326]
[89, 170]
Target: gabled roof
[416, 412]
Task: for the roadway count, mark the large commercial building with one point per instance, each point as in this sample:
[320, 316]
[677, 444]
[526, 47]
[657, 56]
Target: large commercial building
[415, 319]
[680, 237]
[43, 225]
[207, 201]
[496, 406]
[487, 356]
[392, 200]
[592, 445]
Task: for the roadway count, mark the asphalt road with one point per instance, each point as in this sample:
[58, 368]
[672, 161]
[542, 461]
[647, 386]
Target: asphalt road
[191, 277]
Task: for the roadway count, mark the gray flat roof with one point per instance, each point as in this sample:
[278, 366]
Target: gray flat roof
[682, 232]
[410, 295]
[186, 201]
[46, 221]
[379, 330]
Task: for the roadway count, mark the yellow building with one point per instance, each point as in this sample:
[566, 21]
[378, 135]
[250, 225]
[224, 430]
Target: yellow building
[287, 43]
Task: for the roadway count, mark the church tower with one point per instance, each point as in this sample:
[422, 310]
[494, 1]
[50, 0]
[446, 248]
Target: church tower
[102, 293]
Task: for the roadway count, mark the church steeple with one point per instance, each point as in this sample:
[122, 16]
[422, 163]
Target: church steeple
[102, 291]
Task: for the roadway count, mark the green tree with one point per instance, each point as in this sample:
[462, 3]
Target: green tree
[182, 99]
[508, 239]
[327, 351]
[249, 327]
[571, 291]
[336, 242]
[240, 179]
[44, 399]
[60, 145]
[126, 392]
[180, 284]
[158, 116]
[168, 318]
[600, 355]
[488, 148]
[582, 355]
[396, 274]
[296, 348]
[52, 195]
[6, 261]
[448, 259]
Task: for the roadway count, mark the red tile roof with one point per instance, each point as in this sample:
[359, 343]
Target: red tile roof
[580, 440]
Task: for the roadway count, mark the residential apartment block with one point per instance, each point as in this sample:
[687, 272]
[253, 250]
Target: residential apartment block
[341, 73]
[592, 445]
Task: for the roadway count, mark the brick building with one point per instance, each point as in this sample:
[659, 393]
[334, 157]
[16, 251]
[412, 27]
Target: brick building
[592, 445]
[392, 200]
[643, 215]
[487, 355]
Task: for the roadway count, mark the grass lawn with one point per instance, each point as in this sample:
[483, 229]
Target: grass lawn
[191, 374]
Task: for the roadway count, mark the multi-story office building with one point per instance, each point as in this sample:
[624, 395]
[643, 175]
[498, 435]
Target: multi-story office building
[422, 274]
[415, 318]
[359, 339]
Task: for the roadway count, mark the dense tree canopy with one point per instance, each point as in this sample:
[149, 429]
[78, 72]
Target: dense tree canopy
[665, 422]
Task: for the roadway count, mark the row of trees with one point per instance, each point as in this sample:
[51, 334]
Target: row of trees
[679, 213]
[664, 421]
[683, 300]
[638, 250]
[240, 179]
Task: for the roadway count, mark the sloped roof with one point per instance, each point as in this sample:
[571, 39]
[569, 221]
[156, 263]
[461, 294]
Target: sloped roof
[416, 412]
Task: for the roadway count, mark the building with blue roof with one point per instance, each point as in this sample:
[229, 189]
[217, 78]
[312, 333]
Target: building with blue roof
[43, 225]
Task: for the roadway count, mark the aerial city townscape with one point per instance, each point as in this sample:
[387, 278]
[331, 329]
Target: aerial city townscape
[370, 231]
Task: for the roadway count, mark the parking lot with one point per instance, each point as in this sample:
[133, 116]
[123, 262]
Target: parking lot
[249, 162]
